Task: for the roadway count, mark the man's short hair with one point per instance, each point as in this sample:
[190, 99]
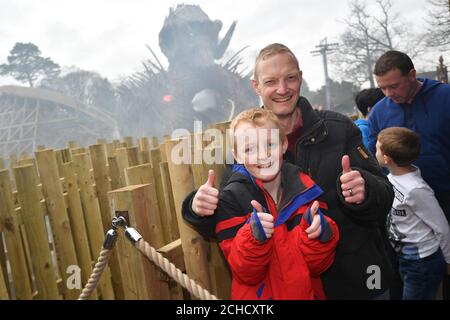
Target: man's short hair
[272, 50]
[367, 98]
[401, 144]
[393, 60]
[258, 117]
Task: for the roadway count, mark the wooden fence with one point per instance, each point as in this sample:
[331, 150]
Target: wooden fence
[55, 208]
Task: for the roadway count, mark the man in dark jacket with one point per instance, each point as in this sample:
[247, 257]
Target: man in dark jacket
[324, 145]
[422, 105]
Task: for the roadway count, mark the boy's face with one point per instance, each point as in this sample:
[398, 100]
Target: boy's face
[278, 83]
[259, 148]
[379, 155]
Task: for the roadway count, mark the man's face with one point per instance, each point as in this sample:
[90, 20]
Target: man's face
[259, 149]
[278, 83]
[400, 88]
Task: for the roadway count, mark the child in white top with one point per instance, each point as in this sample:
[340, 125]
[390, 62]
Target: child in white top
[417, 227]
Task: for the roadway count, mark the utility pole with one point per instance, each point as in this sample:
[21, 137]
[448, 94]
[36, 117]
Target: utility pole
[324, 48]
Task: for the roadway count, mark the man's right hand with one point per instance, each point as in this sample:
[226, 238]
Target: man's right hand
[207, 197]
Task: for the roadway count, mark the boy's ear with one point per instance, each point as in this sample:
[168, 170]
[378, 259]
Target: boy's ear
[233, 152]
[387, 159]
[255, 86]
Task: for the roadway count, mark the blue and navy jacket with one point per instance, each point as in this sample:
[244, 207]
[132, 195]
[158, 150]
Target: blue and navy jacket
[429, 116]
[288, 265]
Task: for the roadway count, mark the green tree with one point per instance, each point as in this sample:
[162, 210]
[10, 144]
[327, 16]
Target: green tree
[25, 64]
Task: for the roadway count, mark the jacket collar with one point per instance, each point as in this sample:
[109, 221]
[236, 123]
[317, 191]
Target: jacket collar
[314, 127]
[289, 177]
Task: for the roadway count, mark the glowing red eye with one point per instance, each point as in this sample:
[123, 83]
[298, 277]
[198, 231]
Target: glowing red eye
[167, 98]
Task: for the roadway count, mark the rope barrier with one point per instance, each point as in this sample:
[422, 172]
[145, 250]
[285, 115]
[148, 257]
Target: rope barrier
[149, 252]
[96, 274]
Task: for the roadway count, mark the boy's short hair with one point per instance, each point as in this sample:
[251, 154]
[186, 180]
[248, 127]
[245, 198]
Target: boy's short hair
[258, 117]
[272, 50]
[401, 144]
[368, 98]
[393, 60]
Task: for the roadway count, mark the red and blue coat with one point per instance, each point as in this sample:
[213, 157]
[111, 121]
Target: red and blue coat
[288, 265]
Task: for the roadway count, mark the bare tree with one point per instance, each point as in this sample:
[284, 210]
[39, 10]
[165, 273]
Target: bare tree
[371, 30]
[439, 23]
[86, 86]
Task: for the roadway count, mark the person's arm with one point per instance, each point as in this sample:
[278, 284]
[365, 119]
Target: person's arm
[425, 205]
[204, 225]
[378, 193]
[318, 251]
[372, 132]
[247, 256]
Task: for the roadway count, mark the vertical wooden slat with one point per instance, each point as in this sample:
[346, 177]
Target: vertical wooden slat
[128, 140]
[156, 155]
[3, 288]
[144, 149]
[171, 214]
[72, 144]
[33, 219]
[143, 174]
[59, 219]
[78, 224]
[194, 246]
[93, 218]
[14, 245]
[154, 142]
[126, 157]
[103, 186]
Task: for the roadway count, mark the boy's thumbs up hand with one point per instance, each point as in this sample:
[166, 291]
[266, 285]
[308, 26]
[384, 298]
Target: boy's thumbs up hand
[266, 220]
[352, 183]
[207, 197]
[314, 229]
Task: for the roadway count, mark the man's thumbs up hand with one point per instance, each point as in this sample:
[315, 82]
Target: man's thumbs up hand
[352, 183]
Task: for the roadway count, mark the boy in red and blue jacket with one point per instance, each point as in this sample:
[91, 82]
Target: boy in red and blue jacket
[274, 236]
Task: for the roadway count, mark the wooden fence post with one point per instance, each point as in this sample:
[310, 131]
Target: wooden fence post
[59, 219]
[10, 225]
[33, 219]
[142, 279]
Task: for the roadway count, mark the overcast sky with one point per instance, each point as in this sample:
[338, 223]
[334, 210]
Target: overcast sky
[110, 36]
